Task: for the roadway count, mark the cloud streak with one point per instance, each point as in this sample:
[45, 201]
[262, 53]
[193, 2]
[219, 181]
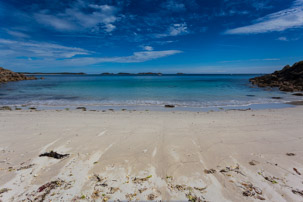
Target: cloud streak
[137, 57]
[39, 49]
[279, 21]
[45, 54]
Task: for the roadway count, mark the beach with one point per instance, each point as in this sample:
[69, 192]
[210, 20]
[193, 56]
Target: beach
[227, 155]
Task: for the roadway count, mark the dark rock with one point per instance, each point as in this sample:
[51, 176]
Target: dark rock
[289, 79]
[290, 154]
[295, 103]
[54, 155]
[276, 98]
[83, 108]
[298, 94]
[169, 106]
[7, 75]
[6, 108]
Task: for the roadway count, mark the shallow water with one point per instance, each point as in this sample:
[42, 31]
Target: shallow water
[191, 91]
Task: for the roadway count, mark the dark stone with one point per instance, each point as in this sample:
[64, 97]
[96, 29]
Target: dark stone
[295, 103]
[298, 94]
[83, 108]
[6, 108]
[276, 98]
[289, 79]
[169, 106]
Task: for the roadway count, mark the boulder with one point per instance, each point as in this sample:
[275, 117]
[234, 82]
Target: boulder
[169, 106]
[7, 75]
[289, 79]
[298, 94]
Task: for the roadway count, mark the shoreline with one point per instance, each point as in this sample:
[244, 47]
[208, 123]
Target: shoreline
[281, 105]
[155, 155]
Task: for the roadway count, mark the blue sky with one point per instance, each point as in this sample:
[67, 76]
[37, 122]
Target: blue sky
[169, 36]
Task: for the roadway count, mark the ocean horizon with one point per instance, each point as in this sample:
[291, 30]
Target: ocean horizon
[137, 91]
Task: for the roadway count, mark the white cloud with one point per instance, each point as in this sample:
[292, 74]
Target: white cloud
[109, 27]
[37, 49]
[137, 57]
[279, 21]
[178, 29]
[17, 34]
[41, 54]
[148, 48]
[175, 30]
[76, 19]
[55, 22]
[282, 38]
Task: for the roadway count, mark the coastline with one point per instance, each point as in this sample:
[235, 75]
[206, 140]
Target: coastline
[121, 107]
[157, 155]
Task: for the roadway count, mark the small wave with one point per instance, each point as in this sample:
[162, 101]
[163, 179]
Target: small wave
[133, 103]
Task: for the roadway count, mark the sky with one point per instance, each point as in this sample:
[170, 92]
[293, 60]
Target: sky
[168, 36]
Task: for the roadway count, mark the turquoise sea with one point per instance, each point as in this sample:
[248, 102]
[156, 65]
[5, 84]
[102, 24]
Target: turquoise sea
[95, 91]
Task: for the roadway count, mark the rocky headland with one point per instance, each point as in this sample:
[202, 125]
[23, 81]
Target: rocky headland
[7, 75]
[289, 79]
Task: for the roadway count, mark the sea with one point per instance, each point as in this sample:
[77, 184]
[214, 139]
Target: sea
[143, 92]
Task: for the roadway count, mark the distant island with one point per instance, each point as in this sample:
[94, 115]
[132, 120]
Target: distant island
[8, 75]
[53, 73]
[289, 79]
[123, 73]
[82, 73]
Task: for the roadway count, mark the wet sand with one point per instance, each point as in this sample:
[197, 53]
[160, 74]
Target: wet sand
[132, 155]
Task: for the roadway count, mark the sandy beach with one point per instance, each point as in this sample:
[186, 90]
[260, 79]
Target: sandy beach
[149, 155]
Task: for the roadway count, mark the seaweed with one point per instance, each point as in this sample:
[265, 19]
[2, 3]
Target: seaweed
[210, 171]
[3, 190]
[296, 170]
[53, 154]
[298, 192]
[25, 167]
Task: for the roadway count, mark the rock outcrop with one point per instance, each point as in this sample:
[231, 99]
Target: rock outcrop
[289, 79]
[7, 75]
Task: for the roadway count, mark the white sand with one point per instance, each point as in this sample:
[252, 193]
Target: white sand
[152, 155]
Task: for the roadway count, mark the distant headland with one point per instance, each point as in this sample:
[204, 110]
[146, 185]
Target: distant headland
[289, 79]
[8, 75]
